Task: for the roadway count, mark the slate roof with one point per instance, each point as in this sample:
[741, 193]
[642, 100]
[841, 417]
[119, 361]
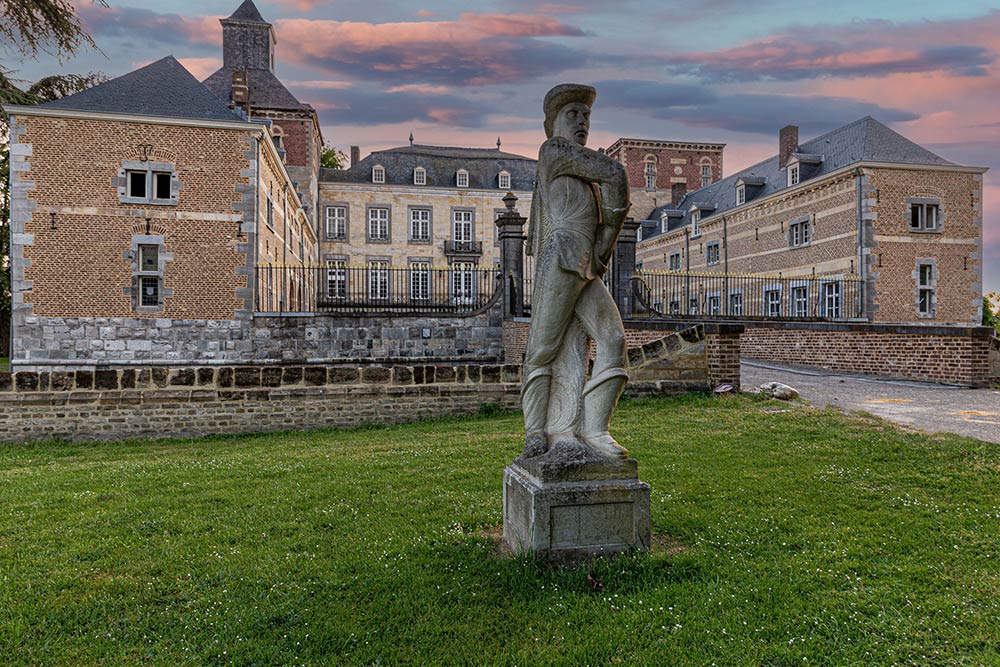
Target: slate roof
[163, 88]
[442, 163]
[266, 90]
[247, 12]
[865, 139]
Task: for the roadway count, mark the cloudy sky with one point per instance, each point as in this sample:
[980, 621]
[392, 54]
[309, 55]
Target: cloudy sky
[463, 72]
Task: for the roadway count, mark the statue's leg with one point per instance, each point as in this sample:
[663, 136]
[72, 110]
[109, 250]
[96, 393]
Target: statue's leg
[602, 321]
[552, 312]
[569, 371]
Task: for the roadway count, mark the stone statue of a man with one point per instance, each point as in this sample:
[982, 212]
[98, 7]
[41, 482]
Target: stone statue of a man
[577, 211]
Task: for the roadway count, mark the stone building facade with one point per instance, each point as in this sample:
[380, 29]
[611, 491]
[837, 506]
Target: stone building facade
[662, 172]
[861, 201]
[140, 211]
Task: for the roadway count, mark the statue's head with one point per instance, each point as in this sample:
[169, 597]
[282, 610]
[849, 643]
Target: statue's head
[567, 112]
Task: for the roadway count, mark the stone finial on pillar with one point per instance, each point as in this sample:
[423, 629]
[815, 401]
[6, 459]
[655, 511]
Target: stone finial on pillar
[510, 231]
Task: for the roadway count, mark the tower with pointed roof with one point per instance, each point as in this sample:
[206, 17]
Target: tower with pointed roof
[247, 80]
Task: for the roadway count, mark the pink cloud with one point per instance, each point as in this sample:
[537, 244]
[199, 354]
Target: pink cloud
[201, 68]
[300, 5]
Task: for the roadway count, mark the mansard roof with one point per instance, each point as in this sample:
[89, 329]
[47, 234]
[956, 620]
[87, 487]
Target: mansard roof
[163, 88]
[865, 139]
[247, 12]
[266, 90]
[441, 163]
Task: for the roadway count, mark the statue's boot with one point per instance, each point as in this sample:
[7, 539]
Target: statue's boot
[535, 405]
[600, 396]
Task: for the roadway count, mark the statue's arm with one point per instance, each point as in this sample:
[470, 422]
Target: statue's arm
[562, 157]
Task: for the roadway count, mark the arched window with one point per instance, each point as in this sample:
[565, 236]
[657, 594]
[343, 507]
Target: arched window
[650, 172]
[462, 178]
[504, 180]
[706, 172]
[378, 174]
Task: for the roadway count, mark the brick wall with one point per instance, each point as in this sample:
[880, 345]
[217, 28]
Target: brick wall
[955, 356]
[675, 163]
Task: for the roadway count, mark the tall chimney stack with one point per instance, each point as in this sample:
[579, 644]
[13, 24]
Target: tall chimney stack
[355, 155]
[788, 141]
[241, 90]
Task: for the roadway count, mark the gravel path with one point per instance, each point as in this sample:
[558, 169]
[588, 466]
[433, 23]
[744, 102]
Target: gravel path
[919, 405]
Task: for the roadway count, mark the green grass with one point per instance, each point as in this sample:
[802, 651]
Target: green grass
[811, 539]
[4, 364]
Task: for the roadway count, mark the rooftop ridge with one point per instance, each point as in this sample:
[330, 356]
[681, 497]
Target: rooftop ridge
[248, 13]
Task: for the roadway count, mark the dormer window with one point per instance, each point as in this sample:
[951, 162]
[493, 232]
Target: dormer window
[695, 219]
[664, 224]
[793, 174]
[504, 180]
[462, 178]
[741, 195]
[420, 176]
[378, 174]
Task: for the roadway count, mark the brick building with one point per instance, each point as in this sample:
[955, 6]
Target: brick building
[141, 209]
[247, 80]
[662, 172]
[859, 201]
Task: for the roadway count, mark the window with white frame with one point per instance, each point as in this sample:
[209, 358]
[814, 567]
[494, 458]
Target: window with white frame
[714, 306]
[150, 277]
[336, 222]
[693, 305]
[741, 195]
[378, 279]
[675, 307]
[336, 279]
[462, 282]
[924, 216]
[378, 224]
[706, 175]
[664, 224]
[793, 174]
[696, 223]
[420, 176]
[799, 232]
[504, 180]
[420, 225]
[736, 303]
[772, 302]
[420, 281]
[461, 226]
[831, 299]
[712, 253]
[800, 301]
[378, 174]
[674, 261]
[650, 172]
[926, 283]
[462, 178]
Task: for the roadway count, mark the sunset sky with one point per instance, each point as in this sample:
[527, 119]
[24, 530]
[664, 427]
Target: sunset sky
[462, 73]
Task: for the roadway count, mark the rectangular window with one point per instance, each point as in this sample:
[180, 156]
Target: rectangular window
[831, 299]
[161, 185]
[675, 261]
[925, 289]
[695, 223]
[675, 307]
[714, 305]
[736, 304]
[799, 234]
[741, 195]
[149, 258]
[419, 176]
[149, 291]
[924, 217]
[378, 174]
[336, 222]
[462, 283]
[378, 224]
[336, 279]
[420, 281]
[136, 184]
[504, 181]
[420, 224]
[462, 226]
[772, 302]
[706, 175]
[712, 253]
[693, 306]
[462, 179]
[793, 174]
[378, 280]
[269, 213]
[800, 301]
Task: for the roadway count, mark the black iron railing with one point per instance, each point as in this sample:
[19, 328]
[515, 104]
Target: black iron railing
[463, 247]
[704, 295]
[376, 288]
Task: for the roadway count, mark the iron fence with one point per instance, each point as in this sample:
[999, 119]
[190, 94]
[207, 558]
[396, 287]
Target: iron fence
[376, 288]
[681, 293]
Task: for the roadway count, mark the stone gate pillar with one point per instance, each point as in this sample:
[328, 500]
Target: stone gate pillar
[623, 268]
[510, 226]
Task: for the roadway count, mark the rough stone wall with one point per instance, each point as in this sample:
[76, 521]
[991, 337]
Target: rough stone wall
[78, 268]
[400, 250]
[956, 249]
[939, 354]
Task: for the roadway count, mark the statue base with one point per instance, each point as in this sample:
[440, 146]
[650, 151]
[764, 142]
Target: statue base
[567, 509]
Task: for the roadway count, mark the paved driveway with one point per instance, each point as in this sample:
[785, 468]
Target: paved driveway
[919, 405]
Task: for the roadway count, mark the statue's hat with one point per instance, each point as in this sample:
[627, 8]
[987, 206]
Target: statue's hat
[560, 96]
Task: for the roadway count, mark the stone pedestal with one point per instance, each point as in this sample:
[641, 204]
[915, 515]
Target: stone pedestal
[567, 508]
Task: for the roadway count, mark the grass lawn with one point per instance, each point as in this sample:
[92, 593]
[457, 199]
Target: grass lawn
[811, 539]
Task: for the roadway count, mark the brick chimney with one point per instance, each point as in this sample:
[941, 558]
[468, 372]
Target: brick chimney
[241, 90]
[677, 192]
[788, 141]
[355, 155]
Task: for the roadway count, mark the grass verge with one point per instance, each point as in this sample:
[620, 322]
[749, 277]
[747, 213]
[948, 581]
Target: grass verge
[809, 537]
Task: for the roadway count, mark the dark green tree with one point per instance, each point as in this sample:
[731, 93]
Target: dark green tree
[332, 158]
